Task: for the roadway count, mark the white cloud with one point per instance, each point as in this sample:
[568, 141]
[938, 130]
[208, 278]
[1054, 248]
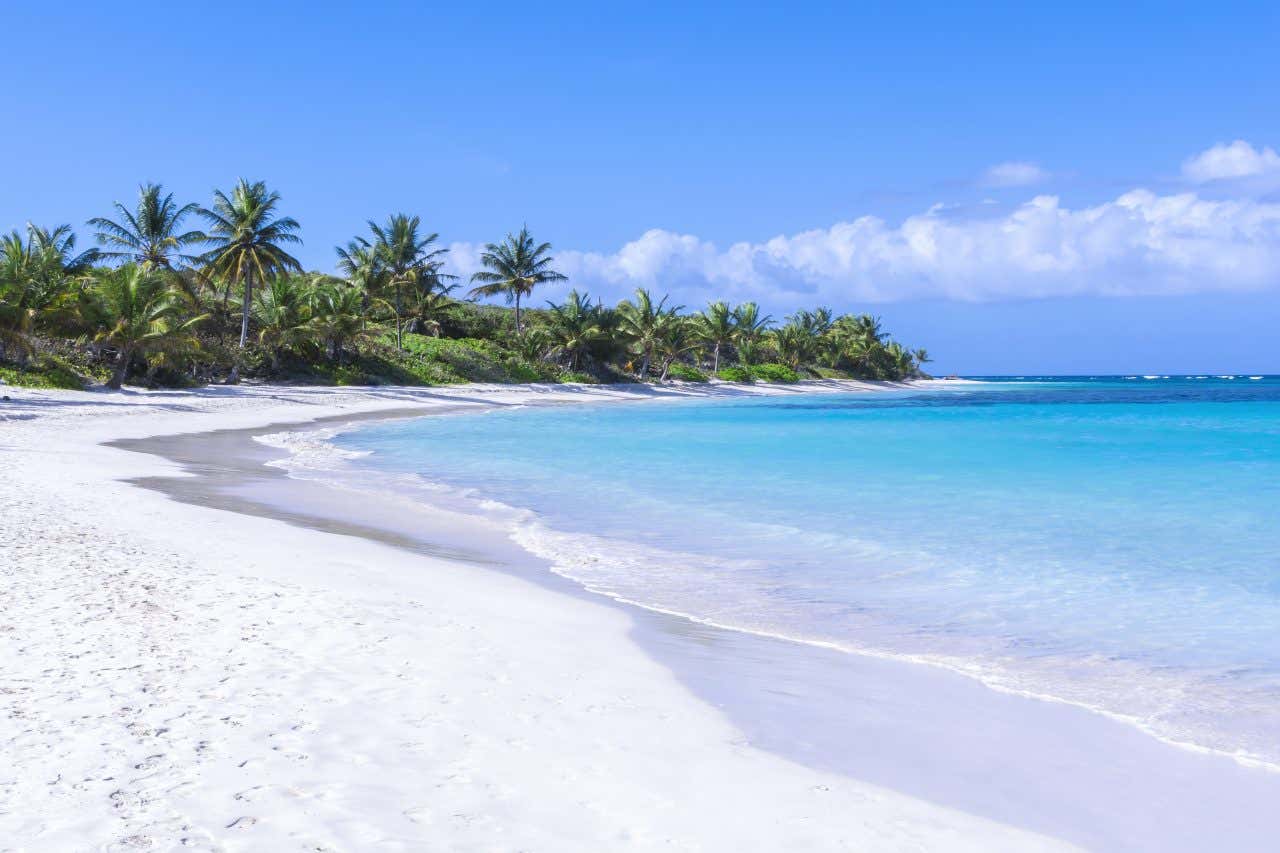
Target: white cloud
[1013, 174]
[1137, 244]
[1237, 160]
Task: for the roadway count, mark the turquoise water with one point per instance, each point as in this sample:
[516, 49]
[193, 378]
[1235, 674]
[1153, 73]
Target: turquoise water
[1108, 542]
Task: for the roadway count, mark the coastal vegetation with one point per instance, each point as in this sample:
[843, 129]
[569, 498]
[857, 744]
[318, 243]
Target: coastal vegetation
[181, 294]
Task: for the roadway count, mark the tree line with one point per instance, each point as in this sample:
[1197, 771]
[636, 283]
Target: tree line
[170, 303]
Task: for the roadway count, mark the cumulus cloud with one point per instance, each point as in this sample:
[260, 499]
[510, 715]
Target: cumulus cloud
[1014, 173]
[1140, 243]
[1231, 161]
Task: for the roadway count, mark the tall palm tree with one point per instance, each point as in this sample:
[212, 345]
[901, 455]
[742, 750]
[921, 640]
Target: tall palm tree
[137, 312]
[514, 268]
[715, 327]
[643, 322]
[151, 234]
[406, 258]
[248, 239]
[748, 328]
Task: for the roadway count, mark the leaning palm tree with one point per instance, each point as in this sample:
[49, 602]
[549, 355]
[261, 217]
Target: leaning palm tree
[513, 268]
[407, 259]
[643, 323]
[137, 312]
[715, 328]
[248, 239]
[151, 234]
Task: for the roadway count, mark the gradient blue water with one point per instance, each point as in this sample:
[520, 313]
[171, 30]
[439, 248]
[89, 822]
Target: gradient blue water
[1111, 542]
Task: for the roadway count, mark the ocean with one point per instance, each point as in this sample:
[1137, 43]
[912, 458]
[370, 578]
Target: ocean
[1109, 542]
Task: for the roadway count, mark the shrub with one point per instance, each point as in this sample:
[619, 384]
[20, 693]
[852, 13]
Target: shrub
[774, 373]
[735, 374]
[44, 371]
[685, 373]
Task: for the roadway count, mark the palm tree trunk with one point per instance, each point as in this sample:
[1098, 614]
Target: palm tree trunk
[715, 361]
[398, 311]
[122, 368]
[519, 330]
[644, 367]
[244, 309]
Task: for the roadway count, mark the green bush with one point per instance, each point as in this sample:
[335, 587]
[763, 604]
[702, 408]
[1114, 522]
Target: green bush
[685, 373]
[735, 374]
[774, 373]
[43, 372]
[468, 320]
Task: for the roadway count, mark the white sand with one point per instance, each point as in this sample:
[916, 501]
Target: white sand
[178, 677]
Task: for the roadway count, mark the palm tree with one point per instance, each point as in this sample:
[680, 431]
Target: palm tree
[860, 339]
[901, 362]
[921, 357]
[514, 268]
[429, 308]
[282, 309]
[715, 327]
[573, 328]
[58, 246]
[405, 257]
[151, 234]
[748, 328]
[643, 322]
[337, 315]
[675, 339]
[35, 274]
[795, 343]
[137, 312]
[248, 239]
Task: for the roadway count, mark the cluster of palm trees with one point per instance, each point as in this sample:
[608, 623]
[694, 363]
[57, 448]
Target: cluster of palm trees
[157, 293]
[655, 336]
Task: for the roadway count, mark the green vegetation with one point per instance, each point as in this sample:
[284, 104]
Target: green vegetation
[164, 304]
[685, 373]
[735, 374]
[773, 373]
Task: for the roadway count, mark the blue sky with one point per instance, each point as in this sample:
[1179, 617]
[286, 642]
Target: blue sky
[1020, 188]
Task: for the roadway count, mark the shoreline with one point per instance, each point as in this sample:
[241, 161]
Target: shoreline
[681, 643]
[720, 679]
[184, 675]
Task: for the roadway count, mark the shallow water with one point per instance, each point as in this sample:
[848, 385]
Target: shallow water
[1108, 542]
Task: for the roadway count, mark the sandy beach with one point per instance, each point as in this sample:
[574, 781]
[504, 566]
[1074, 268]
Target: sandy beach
[177, 677]
[282, 672]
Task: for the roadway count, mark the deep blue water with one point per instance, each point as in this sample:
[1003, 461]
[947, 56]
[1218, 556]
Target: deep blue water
[1112, 541]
